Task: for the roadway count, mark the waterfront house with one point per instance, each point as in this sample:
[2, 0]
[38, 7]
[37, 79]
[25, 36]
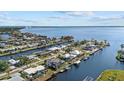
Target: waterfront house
[54, 48]
[54, 63]
[75, 52]
[69, 56]
[13, 62]
[34, 72]
[43, 53]
[31, 57]
[89, 47]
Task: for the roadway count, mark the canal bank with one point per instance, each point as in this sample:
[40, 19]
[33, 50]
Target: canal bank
[28, 52]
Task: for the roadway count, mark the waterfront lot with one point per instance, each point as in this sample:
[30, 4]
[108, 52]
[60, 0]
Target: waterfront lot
[111, 75]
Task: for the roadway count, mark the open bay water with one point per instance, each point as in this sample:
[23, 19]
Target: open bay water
[97, 63]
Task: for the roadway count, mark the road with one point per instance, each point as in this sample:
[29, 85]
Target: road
[4, 75]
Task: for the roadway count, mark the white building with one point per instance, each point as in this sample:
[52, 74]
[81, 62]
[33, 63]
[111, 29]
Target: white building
[32, 57]
[75, 52]
[13, 62]
[16, 77]
[33, 71]
[54, 48]
[67, 56]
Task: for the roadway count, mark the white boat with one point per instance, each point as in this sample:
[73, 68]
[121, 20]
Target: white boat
[77, 62]
[61, 71]
[85, 58]
[67, 68]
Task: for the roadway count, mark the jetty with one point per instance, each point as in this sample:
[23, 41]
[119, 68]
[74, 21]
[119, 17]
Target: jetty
[88, 78]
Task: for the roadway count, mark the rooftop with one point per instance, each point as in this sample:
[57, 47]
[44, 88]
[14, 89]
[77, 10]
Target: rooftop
[34, 70]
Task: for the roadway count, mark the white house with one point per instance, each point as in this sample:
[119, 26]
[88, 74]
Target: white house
[67, 56]
[31, 57]
[54, 48]
[13, 62]
[16, 77]
[34, 71]
[75, 52]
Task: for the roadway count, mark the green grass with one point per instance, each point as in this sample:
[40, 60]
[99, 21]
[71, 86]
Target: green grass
[111, 75]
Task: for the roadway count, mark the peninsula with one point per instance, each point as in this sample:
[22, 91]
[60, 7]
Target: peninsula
[57, 56]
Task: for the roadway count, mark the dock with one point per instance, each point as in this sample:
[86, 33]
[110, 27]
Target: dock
[88, 78]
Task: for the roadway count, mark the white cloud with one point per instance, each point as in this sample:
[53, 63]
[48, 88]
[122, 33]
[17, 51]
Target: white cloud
[58, 17]
[4, 18]
[79, 13]
[105, 18]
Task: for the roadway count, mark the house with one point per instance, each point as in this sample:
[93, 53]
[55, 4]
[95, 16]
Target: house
[30, 57]
[34, 72]
[75, 52]
[54, 63]
[13, 62]
[2, 45]
[72, 54]
[89, 47]
[54, 48]
[69, 56]
[16, 77]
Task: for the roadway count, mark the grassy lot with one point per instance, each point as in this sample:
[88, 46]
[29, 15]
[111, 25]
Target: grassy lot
[111, 75]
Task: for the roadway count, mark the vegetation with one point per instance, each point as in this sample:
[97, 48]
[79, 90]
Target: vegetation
[67, 38]
[9, 29]
[68, 49]
[83, 42]
[23, 61]
[120, 54]
[3, 66]
[111, 75]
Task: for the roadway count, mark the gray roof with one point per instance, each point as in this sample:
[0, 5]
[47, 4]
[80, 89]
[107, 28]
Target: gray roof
[16, 77]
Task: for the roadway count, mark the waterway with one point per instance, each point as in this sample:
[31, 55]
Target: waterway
[102, 60]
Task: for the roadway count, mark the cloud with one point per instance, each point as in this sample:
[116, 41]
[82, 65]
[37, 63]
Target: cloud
[5, 18]
[106, 18]
[79, 13]
[58, 18]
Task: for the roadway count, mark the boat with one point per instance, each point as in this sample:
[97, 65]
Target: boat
[86, 58]
[67, 68]
[61, 71]
[77, 62]
[108, 44]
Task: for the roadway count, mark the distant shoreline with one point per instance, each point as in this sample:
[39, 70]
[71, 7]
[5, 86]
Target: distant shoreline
[53, 26]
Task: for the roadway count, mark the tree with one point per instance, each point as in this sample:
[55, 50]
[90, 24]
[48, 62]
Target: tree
[68, 50]
[83, 42]
[122, 46]
[76, 43]
[67, 38]
[3, 66]
[23, 61]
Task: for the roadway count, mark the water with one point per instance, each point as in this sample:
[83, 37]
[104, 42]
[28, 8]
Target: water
[97, 63]
[4, 36]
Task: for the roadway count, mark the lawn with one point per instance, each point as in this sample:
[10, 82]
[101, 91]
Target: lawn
[111, 75]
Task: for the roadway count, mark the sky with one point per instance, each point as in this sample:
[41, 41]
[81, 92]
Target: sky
[61, 18]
